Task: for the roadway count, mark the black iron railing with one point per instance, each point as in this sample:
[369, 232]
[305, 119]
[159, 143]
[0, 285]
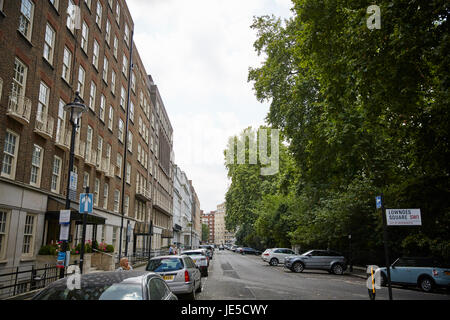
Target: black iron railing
[21, 280]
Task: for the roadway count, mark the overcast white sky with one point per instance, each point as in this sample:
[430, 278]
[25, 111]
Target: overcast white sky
[198, 53]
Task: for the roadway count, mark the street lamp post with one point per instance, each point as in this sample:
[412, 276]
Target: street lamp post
[76, 109]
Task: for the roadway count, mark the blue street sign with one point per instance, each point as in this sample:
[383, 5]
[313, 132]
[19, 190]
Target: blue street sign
[378, 199]
[86, 202]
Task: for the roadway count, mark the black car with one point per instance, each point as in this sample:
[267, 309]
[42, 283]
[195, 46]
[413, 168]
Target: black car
[246, 250]
[112, 285]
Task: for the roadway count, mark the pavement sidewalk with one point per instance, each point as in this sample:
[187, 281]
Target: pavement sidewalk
[359, 272]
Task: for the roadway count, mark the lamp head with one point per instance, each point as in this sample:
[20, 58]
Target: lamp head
[76, 108]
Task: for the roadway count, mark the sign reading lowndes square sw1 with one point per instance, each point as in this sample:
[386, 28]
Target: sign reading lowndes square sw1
[403, 217]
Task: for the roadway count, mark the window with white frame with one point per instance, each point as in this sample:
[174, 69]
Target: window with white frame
[111, 118]
[49, 43]
[60, 125]
[20, 78]
[126, 205]
[108, 154]
[36, 166]
[81, 79]
[92, 95]
[56, 175]
[115, 46]
[110, 3]
[4, 228]
[96, 54]
[99, 150]
[55, 4]
[130, 141]
[98, 14]
[116, 200]
[89, 3]
[119, 165]
[28, 235]
[113, 82]
[26, 18]
[127, 34]
[96, 191]
[131, 111]
[105, 69]
[90, 133]
[125, 65]
[67, 64]
[140, 125]
[108, 32]
[133, 82]
[102, 107]
[105, 196]
[84, 37]
[10, 151]
[123, 97]
[118, 12]
[44, 97]
[71, 16]
[128, 173]
[121, 130]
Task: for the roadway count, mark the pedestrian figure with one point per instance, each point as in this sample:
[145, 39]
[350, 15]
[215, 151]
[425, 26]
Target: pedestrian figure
[170, 250]
[124, 265]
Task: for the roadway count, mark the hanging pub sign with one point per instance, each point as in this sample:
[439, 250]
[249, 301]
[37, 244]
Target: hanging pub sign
[403, 217]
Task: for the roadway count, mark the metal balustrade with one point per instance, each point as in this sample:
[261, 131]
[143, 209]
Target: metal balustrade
[19, 108]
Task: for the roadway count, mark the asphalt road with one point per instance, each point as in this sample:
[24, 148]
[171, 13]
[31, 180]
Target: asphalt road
[246, 277]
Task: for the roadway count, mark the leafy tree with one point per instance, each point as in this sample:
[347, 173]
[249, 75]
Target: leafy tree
[205, 232]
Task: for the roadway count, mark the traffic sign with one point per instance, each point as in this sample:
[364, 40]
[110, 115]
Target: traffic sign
[86, 202]
[378, 200]
[403, 217]
[73, 181]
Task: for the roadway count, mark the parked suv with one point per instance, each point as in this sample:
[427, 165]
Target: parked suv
[332, 261]
[275, 256]
[426, 273]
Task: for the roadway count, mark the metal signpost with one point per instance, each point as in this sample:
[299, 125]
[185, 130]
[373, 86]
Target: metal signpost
[86, 206]
[394, 217]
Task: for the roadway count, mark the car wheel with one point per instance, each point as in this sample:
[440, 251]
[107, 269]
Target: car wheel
[426, 284]
[298, 267]
[199, 287]
[383, 282]
[273, 262]
[337, 269]
[205, 273]
[191, 295]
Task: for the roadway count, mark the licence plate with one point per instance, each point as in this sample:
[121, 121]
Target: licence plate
[447, 273]
[168, 277]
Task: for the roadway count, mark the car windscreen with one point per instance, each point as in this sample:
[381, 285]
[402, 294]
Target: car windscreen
[122, 292]
[92, 292]
[194, 253]
[165, 265]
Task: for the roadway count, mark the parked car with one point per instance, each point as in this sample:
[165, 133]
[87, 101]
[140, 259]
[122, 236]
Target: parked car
[332, 261]
[233, 248]
[209, 248]
[238, 250]
[426, 273]
[221, 247]
[179, 272]
[200, 258]
[275, 256]
[247, 250]
[112, 285]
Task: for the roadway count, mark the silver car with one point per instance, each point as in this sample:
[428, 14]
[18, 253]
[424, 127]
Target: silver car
[180, 273]
[332, 261]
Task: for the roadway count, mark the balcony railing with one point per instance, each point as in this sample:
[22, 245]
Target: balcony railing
[19, 108]
[63, 139]
[143, 194]
[91, 158]
[102, 164]
[44, 125]
[80, 147]
[110, 169]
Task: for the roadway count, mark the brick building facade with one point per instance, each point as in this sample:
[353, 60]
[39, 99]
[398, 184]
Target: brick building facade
[44, 59]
